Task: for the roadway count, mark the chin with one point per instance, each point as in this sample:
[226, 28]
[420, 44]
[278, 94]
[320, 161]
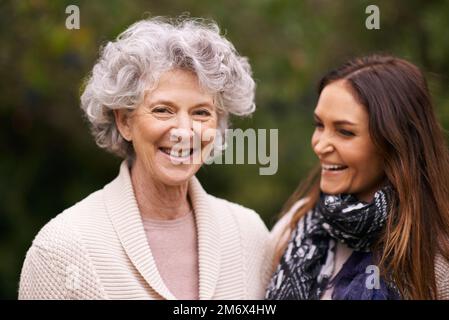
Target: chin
[176, 177]
[328, 189]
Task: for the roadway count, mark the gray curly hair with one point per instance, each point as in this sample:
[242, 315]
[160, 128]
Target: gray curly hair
[132, 65]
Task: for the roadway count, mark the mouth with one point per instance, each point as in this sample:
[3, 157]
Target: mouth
[333, 167]
[180, 154]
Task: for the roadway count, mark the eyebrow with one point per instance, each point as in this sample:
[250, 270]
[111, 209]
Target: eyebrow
[338, 122]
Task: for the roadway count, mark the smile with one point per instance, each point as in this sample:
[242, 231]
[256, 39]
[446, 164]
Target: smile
[333, 167]
[181, 153]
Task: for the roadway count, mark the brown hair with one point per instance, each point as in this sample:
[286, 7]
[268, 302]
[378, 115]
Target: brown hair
[404, 129]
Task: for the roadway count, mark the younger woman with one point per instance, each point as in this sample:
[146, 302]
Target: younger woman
[373, 222]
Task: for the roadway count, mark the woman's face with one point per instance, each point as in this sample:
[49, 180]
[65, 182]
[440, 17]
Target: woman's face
[341, 140]
[173, 130]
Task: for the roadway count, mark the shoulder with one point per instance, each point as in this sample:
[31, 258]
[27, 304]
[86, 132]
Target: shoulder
[247, 226]
[247, 219]
[63, 229]
[277, 232]
[57, 263]
[62, 235]
[255, 245]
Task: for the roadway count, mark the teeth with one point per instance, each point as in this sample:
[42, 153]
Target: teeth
[332, 167]
[183, 153]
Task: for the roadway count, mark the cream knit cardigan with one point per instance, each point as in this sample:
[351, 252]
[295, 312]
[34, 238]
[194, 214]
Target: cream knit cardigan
[97, 249]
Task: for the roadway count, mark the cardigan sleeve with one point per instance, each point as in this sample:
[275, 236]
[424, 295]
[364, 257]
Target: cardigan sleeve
[57, 267]
[258, 251]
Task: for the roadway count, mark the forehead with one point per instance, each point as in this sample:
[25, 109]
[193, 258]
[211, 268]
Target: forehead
[337, 102]
[179, 85]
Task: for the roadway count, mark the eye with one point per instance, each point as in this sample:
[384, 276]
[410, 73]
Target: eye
[317, 124]
[346, 133]
[162, 110]
[202, 112]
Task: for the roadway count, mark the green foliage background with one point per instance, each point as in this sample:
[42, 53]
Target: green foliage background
[48, 160]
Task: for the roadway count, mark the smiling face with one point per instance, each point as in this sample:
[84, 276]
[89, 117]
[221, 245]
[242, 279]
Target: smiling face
[173, 129]
[341, 140]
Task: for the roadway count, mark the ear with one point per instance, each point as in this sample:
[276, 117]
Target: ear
[122, 121]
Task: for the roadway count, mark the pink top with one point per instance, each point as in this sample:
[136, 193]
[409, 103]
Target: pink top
[173, 244]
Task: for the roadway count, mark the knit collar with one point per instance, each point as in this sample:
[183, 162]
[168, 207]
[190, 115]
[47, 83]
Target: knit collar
[122, 208]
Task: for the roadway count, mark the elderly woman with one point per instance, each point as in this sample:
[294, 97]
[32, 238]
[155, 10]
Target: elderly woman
[159, 96]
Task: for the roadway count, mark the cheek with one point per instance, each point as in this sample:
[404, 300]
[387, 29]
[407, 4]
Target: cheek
[146, 138]
[376, 167]
[314, 140]
[368, 166]
[208, 132]
[149, 131]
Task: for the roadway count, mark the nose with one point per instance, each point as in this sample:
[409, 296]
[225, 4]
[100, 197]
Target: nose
[322, 144]
[183, 130]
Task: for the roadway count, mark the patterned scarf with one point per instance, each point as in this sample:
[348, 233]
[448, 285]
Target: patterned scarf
[308, 262]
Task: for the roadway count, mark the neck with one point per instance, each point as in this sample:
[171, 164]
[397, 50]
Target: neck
[157, 200]
[369, 195]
